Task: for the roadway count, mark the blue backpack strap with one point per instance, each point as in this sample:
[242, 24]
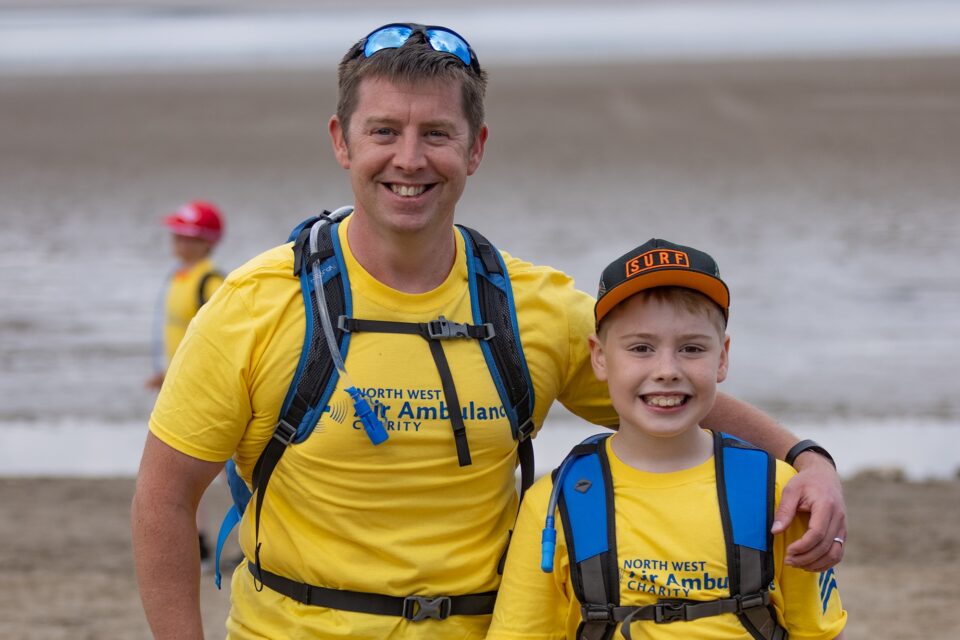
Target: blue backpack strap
[746, 478]
[584, 490]
[315, 377]
[241, 496]
[745, 488]
[491, 298]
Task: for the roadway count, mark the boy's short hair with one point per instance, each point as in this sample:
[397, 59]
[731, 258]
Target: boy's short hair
[662, 265]
[414, 61]
[678, 297]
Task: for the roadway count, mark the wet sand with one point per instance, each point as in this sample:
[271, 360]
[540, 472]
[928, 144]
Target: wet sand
[69, 570]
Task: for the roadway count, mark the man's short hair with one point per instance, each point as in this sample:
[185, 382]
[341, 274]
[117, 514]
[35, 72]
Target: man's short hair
[412, 63]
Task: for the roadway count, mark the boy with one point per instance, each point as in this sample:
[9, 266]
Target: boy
[195, 229]
[660, 550]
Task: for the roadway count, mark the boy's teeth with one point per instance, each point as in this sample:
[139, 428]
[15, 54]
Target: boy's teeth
[665, 401]
[407, 191]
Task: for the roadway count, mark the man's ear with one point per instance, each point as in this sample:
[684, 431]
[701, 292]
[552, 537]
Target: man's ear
[341, 150]
[476, 151]
[724, 360]
[598, 358]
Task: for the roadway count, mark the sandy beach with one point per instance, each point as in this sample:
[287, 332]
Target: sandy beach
[69, 569]
[826, 188]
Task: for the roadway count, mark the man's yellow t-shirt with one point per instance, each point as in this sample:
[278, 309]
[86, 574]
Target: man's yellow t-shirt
[670, 545]
[402, 518]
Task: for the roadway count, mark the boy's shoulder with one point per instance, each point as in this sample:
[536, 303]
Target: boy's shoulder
[783, 475]
[539, 492]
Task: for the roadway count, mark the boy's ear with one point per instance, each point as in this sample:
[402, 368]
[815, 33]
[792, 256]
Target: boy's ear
[724, 360]
[598, 358]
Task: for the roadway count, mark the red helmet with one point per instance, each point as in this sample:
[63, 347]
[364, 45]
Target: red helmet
[196, 219]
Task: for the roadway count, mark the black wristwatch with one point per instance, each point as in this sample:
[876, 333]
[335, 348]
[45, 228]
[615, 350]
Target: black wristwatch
[807, 445]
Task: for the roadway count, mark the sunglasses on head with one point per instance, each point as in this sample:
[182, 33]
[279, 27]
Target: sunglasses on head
[392, 36]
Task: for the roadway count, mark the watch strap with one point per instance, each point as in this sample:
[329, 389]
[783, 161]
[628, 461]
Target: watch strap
[807, 445]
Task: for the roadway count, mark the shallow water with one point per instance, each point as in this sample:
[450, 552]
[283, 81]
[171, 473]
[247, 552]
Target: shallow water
[827, 192]
[914, 449]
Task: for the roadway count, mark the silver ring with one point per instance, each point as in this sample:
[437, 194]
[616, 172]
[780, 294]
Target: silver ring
[840, 540]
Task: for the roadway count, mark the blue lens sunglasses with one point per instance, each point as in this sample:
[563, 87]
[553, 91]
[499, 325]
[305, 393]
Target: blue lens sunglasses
[392, 36]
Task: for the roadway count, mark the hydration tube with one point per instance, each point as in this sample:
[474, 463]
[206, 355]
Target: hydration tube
[548, 539]
[371, 423]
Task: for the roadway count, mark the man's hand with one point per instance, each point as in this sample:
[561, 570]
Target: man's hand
[816, 490]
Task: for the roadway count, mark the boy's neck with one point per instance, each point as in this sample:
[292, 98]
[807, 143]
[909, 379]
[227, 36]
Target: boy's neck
[187, 264]
[663, 455]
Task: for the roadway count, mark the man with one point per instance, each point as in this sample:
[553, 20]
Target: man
[347, 526]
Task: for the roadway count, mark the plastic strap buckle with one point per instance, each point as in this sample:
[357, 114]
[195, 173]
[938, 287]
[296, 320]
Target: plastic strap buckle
[417, 608]
[597, 612]
[752, 600]
[664, 612]
[284, 432]
[443, 329]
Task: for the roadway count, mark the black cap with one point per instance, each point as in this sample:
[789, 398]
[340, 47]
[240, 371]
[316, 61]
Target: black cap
[659, 263]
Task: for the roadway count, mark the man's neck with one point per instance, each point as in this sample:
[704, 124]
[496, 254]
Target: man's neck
[411, 263]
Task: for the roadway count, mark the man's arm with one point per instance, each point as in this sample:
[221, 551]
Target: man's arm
[815, 489]
[165, 547]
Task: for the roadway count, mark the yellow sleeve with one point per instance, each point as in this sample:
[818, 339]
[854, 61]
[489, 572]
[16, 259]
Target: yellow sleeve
[582, 393]
[204, 404]
[531, 604]
[811, 604]
[555, 320]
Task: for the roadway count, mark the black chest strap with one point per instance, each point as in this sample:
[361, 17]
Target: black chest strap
[433, 332]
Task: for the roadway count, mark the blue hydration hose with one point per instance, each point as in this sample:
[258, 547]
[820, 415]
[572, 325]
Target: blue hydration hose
[548, 539]
[371, 423]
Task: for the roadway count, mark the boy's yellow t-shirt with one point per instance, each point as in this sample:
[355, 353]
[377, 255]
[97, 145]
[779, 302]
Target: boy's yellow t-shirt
[402, 518]
[670, 545]
[183, 301]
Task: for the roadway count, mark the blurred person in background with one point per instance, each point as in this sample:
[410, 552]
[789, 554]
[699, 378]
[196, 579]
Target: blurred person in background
[195, 229]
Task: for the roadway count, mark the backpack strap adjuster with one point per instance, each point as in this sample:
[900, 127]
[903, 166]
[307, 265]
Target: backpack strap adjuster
[597, 612]
[525, 430]
[284, 432]
[417, 608]
[752, 600]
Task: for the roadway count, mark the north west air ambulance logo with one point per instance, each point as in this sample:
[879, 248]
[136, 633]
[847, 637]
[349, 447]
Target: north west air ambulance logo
[657, 259]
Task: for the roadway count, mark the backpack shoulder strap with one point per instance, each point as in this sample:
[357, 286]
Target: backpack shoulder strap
[585, 490]
[491, 297]
[202, 287]
[315, 376]
[746, 477]
[745, 488]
